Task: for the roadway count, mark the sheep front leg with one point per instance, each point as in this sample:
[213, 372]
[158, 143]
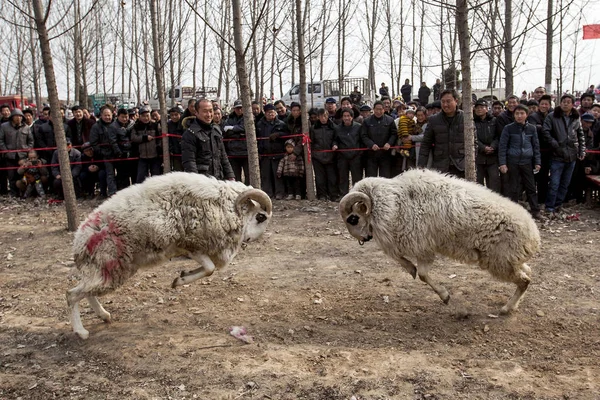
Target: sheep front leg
[206, 269]
[521, 279]
[74, 296]
[423, 267]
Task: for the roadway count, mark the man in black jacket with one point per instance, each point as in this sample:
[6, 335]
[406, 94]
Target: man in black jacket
[103, 139]
[537, 119]
[562, 129]
[379, 134]
[175, 127]
[79, 127]
[271, 149]
[486, 160]
[202, 148]
[347, 136]
[424, 93]
[519, 156]
[444, 136]
[236, 147]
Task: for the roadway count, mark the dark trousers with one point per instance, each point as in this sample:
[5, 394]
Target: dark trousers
[489, 173]
[239, 164]
[146, 165]
[176, 164]
[381, 163]
[452, 170]
[57, 186]
[325, 180]
[270, 183]
[347, 166]
[9, 177]
[126, 174]
[542, 178]
[560, 177]
[89, 179]
[578, 183]
[522, 176]
[292, 185]
[3, 177]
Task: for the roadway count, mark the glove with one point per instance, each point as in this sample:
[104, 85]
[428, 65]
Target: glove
[227, 128]
[274, 136]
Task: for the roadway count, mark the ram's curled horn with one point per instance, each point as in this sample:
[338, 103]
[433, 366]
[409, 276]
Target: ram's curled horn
[257, 195]
[351, 199]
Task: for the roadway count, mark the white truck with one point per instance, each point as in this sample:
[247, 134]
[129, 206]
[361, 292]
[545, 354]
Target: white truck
[181, 94]
[319, 91]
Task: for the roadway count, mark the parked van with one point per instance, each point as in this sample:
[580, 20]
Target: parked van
[319, 91]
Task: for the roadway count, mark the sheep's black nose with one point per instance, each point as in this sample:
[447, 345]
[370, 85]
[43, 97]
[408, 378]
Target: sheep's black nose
[352, 219]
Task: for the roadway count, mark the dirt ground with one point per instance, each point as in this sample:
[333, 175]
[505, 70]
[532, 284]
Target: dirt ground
[330, 320]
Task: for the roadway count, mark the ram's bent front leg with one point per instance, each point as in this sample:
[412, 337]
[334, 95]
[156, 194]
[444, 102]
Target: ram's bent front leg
[408, 266]
[423, 267]
[206, 269]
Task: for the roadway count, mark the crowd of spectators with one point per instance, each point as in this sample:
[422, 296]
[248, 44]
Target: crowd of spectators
[522, 145]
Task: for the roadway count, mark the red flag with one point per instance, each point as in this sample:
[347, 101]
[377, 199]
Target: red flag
[591, 31]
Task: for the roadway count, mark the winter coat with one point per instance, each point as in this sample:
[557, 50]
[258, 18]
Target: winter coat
[406, 91]
[122, 133]
[486, 136]
[537, 119]
[321, 138]
[448, 137]
[175, 128]
[565, 136]
[12, 138]
[437, 90]
[103, 138]
[139, 134]
[378, 131]
[236, 147]
[203, 151]
[519, 145]
[74, 157]
[276, 147]
[348, 137]
[45, 138]
[290, 168]
[506, 117]
[78, 138]
[384, 91]
[424, 93]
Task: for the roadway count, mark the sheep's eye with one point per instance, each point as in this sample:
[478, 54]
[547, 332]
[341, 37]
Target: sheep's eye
[352, 220]
[261, 218]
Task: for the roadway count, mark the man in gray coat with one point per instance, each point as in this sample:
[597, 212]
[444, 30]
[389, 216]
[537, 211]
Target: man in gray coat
[14, 135]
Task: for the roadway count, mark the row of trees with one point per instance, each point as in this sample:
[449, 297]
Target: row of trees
[161, 52]
[106, 47]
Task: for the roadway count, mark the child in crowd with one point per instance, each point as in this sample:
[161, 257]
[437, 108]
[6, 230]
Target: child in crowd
[406, 128]
[291, 169]
[34, 176]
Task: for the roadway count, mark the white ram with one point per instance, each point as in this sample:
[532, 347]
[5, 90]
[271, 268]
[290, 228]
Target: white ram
[421, 213]
[178, 214]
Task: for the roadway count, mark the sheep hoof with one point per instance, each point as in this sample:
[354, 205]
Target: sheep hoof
[107, 320]
[83, 334]
[504, 310]
[446, 300]
[183, 273]
[176, 282]
[413, 272]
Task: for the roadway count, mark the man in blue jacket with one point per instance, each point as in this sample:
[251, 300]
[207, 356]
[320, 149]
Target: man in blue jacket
[519, 156]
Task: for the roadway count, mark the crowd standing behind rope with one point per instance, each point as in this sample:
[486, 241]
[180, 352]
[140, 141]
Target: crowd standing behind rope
[522, 145]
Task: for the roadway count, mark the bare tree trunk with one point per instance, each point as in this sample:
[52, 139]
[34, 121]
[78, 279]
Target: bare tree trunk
[322, 56]
[204, 38]
[171, 92]
[549, 39]
[421, 35]
[34, 64]
[371, 20]
[159, 71]
[310, 182]
[341, 39]
[388, 34]
[244, 85]
[576, 40]
[442, 44]
[123, 47]
[293, 4]
[492, 53]
[412, 50]
[508, 47]
[462, 25]
[76, 55]
[399, 74]
[59, 132]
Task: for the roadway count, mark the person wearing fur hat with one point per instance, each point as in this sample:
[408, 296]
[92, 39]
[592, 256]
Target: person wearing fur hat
[291, 169]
